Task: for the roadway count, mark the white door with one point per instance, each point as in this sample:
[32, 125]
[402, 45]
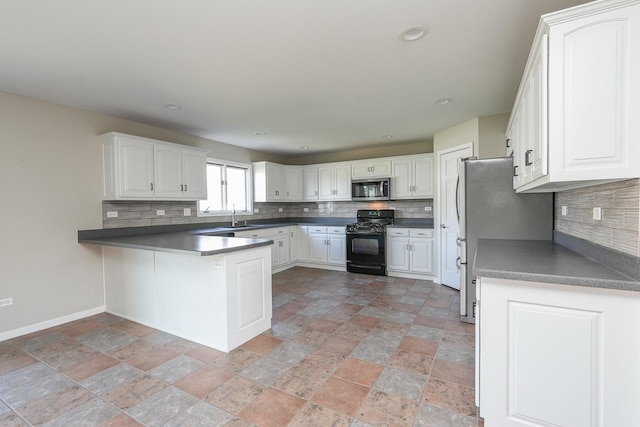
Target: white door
[397, 253]
[294, 183]
[337, 249]
[343, 182]
[448, 160]
[421, 255]
[194, 172]
[318, 248]
[168, 172]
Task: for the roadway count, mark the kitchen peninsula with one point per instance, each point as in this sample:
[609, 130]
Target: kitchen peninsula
[211, 289]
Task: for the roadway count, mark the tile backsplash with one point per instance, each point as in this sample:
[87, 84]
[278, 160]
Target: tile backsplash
[139, 214]
[619, 227]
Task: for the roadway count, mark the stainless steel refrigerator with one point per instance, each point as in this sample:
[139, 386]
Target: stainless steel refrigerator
[489, 208]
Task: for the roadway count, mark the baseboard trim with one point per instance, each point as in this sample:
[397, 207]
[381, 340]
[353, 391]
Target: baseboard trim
[404, 275]
[50, 323]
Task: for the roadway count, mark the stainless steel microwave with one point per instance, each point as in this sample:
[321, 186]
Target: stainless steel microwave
[370, 189]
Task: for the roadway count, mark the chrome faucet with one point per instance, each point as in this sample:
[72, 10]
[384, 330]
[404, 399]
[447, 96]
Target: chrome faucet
[233, 216]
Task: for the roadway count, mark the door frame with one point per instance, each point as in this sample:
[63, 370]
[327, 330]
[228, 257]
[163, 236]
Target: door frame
[439, 203]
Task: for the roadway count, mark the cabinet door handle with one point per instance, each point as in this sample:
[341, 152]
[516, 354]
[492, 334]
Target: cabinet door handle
[515, 171]
[151, 186]
[185, 187]
[508, 142]
[181, 187]
[527, 158]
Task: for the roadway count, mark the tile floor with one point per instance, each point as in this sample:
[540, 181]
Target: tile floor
[344, 350]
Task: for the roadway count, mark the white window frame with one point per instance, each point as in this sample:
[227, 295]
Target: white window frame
[249, 188]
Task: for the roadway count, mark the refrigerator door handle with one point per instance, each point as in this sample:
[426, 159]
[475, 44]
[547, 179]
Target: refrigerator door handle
[463, 290]
[458, 197]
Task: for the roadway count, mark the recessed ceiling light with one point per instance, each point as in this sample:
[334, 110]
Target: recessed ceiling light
[386, 136]
[305, 147]
[259, 133]
[443, 101]
[413, 33]
[172, 107]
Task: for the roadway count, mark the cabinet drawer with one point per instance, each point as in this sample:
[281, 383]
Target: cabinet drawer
[421, 233]
[316, 230]
[336, 230]
[278, 231]
[253, 234]
[398, 231]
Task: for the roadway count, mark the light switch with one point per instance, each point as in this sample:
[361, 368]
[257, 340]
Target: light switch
[597, 214]
[112, 214]
[564, 211]
[187, 211]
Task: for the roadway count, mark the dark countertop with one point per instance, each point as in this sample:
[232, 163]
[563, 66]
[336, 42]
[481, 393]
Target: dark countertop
[545, 261]
[180, 243]
[425, 226]
[205, 239]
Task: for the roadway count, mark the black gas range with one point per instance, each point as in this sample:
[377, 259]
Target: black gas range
[366, 239]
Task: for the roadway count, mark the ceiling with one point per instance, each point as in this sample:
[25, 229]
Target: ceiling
[274, 75]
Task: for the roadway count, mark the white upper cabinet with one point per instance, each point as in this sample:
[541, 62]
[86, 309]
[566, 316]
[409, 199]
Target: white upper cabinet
[412, 177]
[131, 173]
[574, 123]
[310, 183]
[141, 168]
[334, 181]
[269, 183]
[277, 183]
[294, 183]
[179, 173]
[371, 168]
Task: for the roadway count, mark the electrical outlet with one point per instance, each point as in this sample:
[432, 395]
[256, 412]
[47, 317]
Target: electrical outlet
[5, 302]
[112, 214]
[160, 212]
[564, 211]
[305, 209]
[256, 210]
[187, 211]
[279, 209]
[428, 208]
[597, 213]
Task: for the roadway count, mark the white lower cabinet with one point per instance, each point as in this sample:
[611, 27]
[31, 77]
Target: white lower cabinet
[220, 301]
[305, 245]
[327, 245]
[302, 243]
[281, 248]
[410, 252]
[557, 355]
[280, 254]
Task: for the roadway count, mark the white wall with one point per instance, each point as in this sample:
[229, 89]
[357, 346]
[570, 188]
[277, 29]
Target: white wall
[456, 135]
[486, 132]
[50, 181]
[492, 135]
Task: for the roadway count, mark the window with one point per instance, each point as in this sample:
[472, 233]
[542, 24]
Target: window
[228, 188]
